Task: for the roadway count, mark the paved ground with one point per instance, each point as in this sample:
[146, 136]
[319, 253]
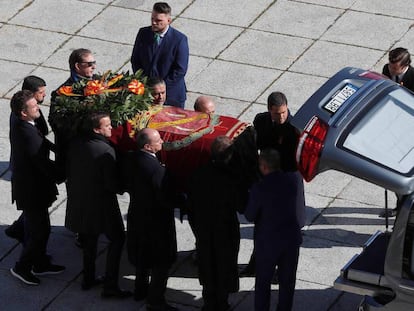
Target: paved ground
[240, 52]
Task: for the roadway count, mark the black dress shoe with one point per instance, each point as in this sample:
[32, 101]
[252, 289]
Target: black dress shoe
[88, 285]
[116, 293]
[14, 234]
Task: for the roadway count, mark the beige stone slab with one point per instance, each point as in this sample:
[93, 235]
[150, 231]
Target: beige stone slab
[13, 73]
[196, 66]
[321, 259]
[117, 24]
[380, 32]
[399, 8]
[362, 191]
[17, 296]
[341, 4]
[330, 183]
[249, 114]
[27, 45]
[177, 6]
[235, 80]
[276, 51]
[9, 8]
[348, 222]
[206, 38]
[4, 153]
[296, 86]
[297, 19]
[48, 15]
[335, 57]
[230, 12]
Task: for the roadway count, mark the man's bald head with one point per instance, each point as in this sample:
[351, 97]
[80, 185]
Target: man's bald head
[204, 104]
[149, 140]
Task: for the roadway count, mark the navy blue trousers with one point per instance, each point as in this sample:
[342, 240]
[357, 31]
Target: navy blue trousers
[286, 259]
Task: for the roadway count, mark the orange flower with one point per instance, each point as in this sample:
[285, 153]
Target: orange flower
[94, 87]
[136, 87]
[66, 90]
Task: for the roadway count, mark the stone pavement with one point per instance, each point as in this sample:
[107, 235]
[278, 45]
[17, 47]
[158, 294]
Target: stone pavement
[240, 52]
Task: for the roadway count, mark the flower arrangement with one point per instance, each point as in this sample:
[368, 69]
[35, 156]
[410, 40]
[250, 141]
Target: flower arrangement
[122, 95]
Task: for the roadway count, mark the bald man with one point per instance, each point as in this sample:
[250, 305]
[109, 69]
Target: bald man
[205, 104]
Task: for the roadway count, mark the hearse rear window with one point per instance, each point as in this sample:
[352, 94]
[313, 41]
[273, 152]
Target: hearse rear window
[386, 133]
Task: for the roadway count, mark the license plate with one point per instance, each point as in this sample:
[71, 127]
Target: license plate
[341, 97]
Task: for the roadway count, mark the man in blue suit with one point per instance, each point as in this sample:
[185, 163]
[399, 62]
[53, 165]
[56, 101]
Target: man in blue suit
[162, 51]
[272, 207]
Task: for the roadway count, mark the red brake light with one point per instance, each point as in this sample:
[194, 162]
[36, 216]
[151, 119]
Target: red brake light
[310, 146]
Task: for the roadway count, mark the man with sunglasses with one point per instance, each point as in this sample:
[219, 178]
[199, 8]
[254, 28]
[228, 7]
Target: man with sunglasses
[82, 65]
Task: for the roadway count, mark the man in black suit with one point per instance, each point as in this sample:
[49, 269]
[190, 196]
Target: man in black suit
[162, 51]
[272, 208]
[33, 188]
[399, 68]
[152, 244]
[275, 131]
[38, 86]
[216, 224]
[92, 205]
[82, 65]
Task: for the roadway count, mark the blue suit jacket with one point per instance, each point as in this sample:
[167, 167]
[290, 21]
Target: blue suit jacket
[272, 207]
[168, 61]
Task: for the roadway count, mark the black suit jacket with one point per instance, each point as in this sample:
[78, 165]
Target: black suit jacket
[151, 226]
[34, 173]
[282, 137]
[92, 184]
[407, 80]
[215, 196]
[272, 207]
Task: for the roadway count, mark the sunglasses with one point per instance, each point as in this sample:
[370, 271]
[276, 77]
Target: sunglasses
[90, 64]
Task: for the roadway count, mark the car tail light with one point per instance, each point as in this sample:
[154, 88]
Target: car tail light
[310, 146]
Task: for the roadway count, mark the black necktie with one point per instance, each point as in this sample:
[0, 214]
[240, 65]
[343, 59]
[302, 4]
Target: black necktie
[397, 79]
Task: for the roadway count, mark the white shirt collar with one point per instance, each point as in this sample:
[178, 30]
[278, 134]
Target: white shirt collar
[162, 34]
[151, 153]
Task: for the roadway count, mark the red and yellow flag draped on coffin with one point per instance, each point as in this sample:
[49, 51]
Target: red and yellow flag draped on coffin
[187, 135]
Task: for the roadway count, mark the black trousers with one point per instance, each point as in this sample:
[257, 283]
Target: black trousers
[116, 237]
[286, 260]
[156, 288]
[36, 225]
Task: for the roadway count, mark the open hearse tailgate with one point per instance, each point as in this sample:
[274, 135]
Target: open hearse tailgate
[364, 273]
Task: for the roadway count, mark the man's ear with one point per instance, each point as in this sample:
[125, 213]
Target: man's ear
[77, 68]
[23, 114]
